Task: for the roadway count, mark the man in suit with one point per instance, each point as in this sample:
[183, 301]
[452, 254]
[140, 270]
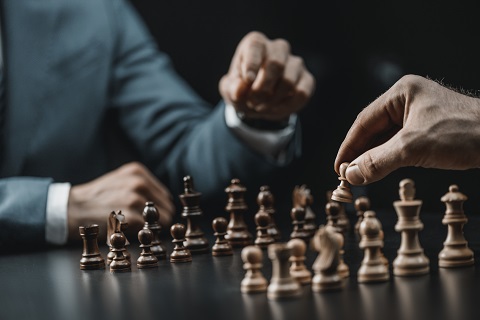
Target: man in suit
[81, 76]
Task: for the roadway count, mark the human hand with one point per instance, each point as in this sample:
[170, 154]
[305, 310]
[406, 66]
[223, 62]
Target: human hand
[417, 122]
[265, 81]
[127, 188]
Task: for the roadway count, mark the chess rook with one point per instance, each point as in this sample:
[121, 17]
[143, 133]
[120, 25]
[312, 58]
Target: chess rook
[221, 247]
[298, 270]
[455, 252]
[237, 231]
[282, 284]
[266, 203]
[180, 252]
[119, 262]
[298, 222]
[410, 260]
[254, 281]
[151, 218]
[262, 221]
[91, 257]
[147, 259]
[327, 242]
[373, 268]
[343, 192]
[190, 199]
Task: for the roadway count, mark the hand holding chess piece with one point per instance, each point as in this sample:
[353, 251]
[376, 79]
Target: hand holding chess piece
[455, 252]
[254, 281]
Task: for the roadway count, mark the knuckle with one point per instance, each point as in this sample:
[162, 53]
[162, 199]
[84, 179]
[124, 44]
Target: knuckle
[133, 168]
[282, 44]
[275, 66]
[409, 84]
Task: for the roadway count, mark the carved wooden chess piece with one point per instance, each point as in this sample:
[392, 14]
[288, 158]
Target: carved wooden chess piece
[373, 268]
[302, 197]
[116, 223]
[254, 281]
[282, 284]
[151, 218]
[147, 259]
[91, 257]
[411, 260]
[343, 222]
[298, 270]
[343, 192]
[455, 252]
[298, 221]
[332, 210]
[263, 239]
[266, 202]
[221, 247]
[119, 262]
[195, 240]
[327, 243]
[180, 252]
[123, 228]
[362, 204]
[237, 231]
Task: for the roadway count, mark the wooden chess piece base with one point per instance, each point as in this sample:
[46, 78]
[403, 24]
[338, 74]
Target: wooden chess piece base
[411, 265]
[145, 262]
[322, 282]
[197, 244]
[343, 270]
[254, 285]
[377, 273]
[455, 257]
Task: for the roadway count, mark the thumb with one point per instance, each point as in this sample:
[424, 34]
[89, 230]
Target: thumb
[376, 163]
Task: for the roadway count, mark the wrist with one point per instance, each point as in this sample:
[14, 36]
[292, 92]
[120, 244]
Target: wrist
[264, 124]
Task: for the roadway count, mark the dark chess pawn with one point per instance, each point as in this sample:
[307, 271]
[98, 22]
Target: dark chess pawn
[116, 223]
[266, 201]
[123, 228]
[362, 204]
[333, 210]
[298, 221]
[221, 247]
[343, 222]
[327, 243]
[298, 270]
[119, 262]
[190, 199]
[455, 252]
[282, 284]
[302, 197]
[373, 267]
[180, 252]
[343, 192]
[147, 259]
[253, 281]
[237, 231]
[151, 218]
[91, 257]
[262, 221]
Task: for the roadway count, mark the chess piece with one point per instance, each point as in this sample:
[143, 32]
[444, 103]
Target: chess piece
[332, 210]
[265, 201]
[343, 192]
[91, 257]
[151, 218]
[190, 199]
[221, 246]
[123, 228]
[298, 270]
[147, 259]
[362, 204]
[116, 223]
[119, 262]
[343, 222]
[282, 284]
[180, 252]
[298, 221]
[302, 197]
[410, 260]
[455, 252]
[327, 243]
[372, 268]
[254, 281]
[262, 220]
[237, 231]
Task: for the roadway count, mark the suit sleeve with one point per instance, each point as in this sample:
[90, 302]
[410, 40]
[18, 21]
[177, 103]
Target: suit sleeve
[174, 130]
[22, 212]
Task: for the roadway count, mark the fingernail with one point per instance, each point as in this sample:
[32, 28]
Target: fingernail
[354, 175]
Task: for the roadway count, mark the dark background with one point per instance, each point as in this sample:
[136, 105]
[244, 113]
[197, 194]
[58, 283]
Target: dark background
[355, 49]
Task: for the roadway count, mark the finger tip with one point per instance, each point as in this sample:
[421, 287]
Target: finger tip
[354, 175]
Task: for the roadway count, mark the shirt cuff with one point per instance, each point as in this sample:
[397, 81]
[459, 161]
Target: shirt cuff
[56, 228]
[271, 144]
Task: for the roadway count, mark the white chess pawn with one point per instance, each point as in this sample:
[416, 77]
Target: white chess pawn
[455, 252]
[373, 268]
[411, 260]
[298, 270]
[254, 281]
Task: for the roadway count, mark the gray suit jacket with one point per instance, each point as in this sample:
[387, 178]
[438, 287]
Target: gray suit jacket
[79, 72]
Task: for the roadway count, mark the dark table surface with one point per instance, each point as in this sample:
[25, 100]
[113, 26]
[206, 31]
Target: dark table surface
[50, 285]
